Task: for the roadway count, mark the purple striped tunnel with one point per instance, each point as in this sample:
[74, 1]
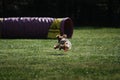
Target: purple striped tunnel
[35, 27]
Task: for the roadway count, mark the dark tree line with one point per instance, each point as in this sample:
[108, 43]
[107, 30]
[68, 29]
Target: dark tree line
[83, 12]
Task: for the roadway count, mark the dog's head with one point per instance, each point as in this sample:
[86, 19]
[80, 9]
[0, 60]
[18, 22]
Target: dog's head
[59, 37]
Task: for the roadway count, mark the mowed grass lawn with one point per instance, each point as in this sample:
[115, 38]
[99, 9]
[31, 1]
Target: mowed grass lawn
[95, 55]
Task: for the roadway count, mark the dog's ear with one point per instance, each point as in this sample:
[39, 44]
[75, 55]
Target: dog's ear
[64, 36]
[57, 36]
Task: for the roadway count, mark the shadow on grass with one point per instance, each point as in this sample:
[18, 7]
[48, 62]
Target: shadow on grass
[57, 54]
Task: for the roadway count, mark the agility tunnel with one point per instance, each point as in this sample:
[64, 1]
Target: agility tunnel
[35, 27]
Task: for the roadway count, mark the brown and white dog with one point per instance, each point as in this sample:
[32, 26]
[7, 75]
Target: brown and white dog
[63, 43]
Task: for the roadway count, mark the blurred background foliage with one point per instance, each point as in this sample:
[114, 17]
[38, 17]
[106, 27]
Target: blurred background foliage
[82, 12]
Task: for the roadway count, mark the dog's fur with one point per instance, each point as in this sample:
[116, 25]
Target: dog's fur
[63, 43]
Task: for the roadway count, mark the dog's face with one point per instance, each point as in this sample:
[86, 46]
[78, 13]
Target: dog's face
[62, 42]
[59, 37]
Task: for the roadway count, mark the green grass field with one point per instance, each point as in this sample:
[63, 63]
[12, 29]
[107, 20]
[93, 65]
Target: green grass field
[95, 55]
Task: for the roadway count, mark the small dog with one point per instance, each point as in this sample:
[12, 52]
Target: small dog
[63, 43]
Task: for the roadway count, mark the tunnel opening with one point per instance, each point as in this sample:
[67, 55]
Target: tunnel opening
[67, 27]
